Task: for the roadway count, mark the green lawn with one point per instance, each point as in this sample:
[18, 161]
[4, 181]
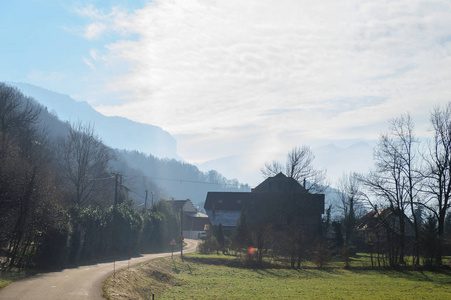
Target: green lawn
[213, 277]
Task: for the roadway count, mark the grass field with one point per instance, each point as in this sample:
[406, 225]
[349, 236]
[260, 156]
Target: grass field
[222, 277]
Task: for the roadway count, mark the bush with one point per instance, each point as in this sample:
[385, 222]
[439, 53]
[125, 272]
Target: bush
[208, 246]
[322, 255]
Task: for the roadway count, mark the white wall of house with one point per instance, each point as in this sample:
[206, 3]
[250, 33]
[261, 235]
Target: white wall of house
[191, 234]
[225, 217]
[189, 207]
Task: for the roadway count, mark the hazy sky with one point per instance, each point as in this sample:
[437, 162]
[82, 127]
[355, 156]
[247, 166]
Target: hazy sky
[234, 77]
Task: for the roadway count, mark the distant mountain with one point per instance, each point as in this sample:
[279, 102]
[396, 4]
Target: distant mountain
[357, 157]
[116, 132]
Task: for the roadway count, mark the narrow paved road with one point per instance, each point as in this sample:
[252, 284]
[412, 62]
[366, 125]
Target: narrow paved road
[78, 283]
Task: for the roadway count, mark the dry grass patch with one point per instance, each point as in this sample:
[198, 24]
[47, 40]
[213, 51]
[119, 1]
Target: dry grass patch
[143, 280]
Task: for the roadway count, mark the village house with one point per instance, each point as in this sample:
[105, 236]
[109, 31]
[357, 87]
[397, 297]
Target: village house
[193, 222]
[380, 222]
[225, 208]
[379, 226]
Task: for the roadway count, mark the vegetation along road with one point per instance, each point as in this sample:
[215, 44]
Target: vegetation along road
[84, 282]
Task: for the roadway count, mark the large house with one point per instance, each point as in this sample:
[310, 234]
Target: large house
[270, 197]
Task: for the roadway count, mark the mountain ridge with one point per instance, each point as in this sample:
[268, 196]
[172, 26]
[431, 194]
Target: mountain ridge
[113, 130]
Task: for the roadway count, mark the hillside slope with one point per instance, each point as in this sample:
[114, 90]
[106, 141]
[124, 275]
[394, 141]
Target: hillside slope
[116, 132]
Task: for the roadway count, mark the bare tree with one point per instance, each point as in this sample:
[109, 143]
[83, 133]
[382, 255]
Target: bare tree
[16, 110]
[84, 161]
[438, 171]
[402, 129]
[18, 116]
[299, 166]
[350, 203]
[395, 179]
[272, 169]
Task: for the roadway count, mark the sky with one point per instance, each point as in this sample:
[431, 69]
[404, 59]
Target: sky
[236, 78]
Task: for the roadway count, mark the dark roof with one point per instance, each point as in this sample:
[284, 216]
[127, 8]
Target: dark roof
[178, 204]
[279, 184]
[382, 217]
[226, 200]
[235, 201]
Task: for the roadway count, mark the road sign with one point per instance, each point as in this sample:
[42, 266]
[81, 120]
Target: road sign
[173, 243]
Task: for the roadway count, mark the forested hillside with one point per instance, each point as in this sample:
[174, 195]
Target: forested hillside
[66, 197]
[116, 132]
[158, 173]
[177, 179]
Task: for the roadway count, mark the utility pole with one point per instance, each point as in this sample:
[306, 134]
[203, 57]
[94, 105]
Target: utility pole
[145, 202]
[116, 191]
[152, 198]
[181, 233]
[116, 185]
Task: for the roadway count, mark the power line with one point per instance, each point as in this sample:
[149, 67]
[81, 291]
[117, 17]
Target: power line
[163, 178]
[136, 193]
[103, 178]
[184, 180]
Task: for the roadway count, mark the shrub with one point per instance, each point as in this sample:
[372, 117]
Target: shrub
[208, 246]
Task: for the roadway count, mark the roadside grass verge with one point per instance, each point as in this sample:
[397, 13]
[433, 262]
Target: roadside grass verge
[143, 280]
[8, 276]
[225, 277]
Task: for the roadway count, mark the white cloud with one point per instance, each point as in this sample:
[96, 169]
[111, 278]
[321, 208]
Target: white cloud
[202, 69]
[102, 22]
[94, 30]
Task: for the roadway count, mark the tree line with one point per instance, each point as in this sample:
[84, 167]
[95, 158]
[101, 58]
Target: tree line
[61, 201]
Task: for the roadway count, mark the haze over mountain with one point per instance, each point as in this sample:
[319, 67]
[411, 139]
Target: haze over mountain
[357, 157]
[149, 151]
[116, 132]
[336, 160]
[122, 133]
